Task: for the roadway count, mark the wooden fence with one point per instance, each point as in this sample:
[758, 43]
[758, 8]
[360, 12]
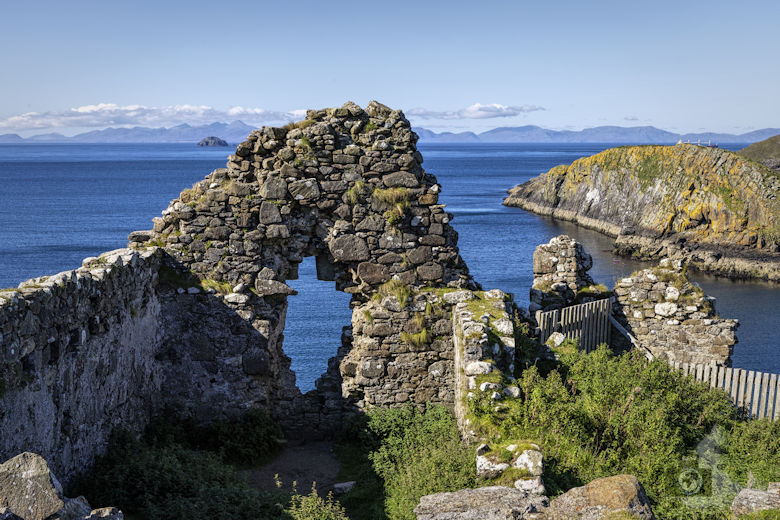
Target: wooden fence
[756, 393]
[588, 323]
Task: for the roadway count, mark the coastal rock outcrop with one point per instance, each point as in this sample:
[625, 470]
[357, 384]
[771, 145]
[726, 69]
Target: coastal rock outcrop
[712, 207]
[766, 152]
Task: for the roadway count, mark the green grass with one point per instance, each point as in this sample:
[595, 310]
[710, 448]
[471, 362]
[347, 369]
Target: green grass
[417, 339]
[392, 195]
[763, 150]
[356, 193]
[393, 287]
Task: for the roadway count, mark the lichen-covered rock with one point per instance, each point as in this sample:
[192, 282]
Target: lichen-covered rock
[74, 509]
[602, 497]
[28, 488]
[531, 461]
[487, 503]
[710, 206]
[753, 500]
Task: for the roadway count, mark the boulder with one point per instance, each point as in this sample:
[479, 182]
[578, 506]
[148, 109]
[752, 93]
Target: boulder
[274, 188]
[487, 503]
[531, 485]
[603, 497]
[28, 488]
[753, 500]
[343, 487]
[75, 509]
[400, 179]
[305, 189]
[556, 339]
[373, 273]
[272, 287]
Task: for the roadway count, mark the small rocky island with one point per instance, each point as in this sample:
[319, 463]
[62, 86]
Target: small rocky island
[713, 208]
[212, 141]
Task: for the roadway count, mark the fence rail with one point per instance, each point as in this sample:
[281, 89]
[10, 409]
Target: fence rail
[588, 323]
[756, 393]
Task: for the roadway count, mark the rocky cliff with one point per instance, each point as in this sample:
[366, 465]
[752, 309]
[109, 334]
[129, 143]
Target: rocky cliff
[716, 209]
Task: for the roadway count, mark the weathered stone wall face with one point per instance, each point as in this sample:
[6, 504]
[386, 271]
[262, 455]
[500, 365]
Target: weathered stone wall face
[346, 186]
[560, 271]
[671, 316]
[77, 356]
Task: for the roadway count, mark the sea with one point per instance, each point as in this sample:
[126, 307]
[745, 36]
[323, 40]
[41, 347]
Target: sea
[60, 203]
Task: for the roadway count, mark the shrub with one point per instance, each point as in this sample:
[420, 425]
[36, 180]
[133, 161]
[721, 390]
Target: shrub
[754, 448]
[599, 415]
[171, 482]
[314, 507]
[180, 470]
[251, 439]
[417, 453]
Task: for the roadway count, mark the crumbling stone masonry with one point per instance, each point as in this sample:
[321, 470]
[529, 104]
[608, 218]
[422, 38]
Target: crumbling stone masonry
[191, 317]
[672, 317]
[561, 275]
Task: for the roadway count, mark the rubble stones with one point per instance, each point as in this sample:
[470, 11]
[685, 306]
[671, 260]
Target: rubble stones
[486, 503]
[753, 500]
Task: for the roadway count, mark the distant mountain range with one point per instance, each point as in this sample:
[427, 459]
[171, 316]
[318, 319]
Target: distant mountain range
[232, 132]
[599, 134]
[238, 131]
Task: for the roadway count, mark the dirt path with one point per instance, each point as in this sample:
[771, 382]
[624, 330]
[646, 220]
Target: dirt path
[304, 464]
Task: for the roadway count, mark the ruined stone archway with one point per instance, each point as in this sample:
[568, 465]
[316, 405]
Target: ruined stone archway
[346, 186]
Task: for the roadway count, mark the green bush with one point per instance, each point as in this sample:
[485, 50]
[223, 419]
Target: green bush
[158, 482]
[754, 448]
[599, 415]
[416, 453]
[314, 507]
[251, 439]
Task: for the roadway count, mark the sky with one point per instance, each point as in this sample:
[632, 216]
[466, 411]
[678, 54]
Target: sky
[450, 65]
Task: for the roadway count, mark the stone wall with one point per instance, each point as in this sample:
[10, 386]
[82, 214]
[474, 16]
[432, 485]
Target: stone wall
[77, 356]
[672, 317]
[347, 186]
[561, 275]
[484, 336]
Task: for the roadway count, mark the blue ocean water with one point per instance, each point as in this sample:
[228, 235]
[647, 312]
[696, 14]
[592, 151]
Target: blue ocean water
[61, 203]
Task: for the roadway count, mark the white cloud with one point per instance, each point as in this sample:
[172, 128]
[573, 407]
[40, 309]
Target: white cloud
[631, 118]
[475, 111]
[108, 114]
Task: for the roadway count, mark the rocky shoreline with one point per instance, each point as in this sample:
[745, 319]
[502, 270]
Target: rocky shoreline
[711, 209]
[734, 263]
